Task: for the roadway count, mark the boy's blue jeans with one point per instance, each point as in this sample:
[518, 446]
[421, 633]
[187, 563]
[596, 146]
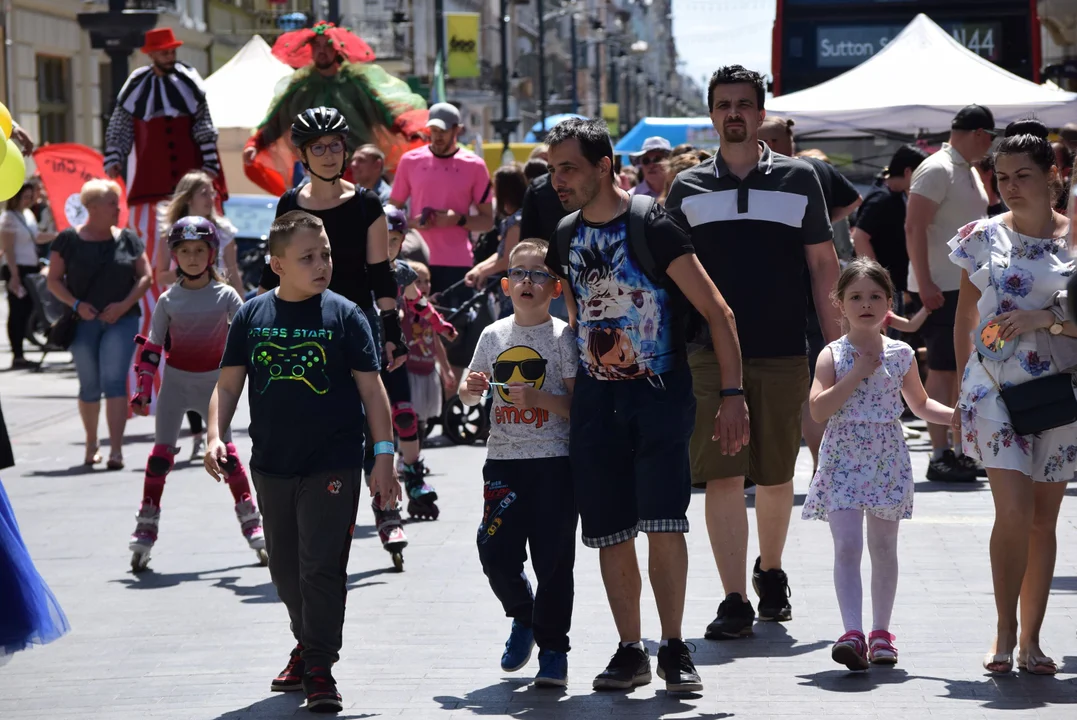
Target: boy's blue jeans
[530, 503]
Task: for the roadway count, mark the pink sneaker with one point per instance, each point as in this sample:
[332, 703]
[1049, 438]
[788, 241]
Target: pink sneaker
[851, 650]
[881, 650]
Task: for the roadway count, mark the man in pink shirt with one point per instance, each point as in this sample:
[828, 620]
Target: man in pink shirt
[442, 182]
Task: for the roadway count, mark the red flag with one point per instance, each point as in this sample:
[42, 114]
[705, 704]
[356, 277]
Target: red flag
[64, 168]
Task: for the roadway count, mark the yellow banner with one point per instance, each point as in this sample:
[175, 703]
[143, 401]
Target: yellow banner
[462, 35]
[611, 113]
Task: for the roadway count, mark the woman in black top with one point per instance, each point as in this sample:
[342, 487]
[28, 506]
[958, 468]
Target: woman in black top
[354, 222]
[102, 272]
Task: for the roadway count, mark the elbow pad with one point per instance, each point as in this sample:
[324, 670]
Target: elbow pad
[422, 308]
[147, 359]
[382, 281]
[391, 332]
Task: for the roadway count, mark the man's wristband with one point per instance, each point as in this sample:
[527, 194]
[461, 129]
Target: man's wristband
[731, 392]
[75, 307]
[384, 448]
[462, 221]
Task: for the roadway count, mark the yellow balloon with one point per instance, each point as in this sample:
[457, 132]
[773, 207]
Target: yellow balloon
[5, 120]
[12, 172]
[3, 151]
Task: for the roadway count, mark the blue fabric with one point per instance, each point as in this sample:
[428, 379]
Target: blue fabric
[698, 131]
[31, 615]
[103, 355]
[550, 122]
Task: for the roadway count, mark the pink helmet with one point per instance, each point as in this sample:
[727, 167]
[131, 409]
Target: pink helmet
[194, 228]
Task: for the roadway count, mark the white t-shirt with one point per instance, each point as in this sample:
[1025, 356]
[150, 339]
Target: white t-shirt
[542, 355]
[25, 230]
[948, 179]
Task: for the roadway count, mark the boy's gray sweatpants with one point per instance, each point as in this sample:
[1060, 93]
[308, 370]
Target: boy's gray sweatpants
[308, 522]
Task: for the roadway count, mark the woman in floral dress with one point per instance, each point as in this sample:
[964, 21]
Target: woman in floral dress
[1013, 266]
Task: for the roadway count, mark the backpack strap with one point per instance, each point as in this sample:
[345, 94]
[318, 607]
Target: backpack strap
[566, 228]
[640, 208]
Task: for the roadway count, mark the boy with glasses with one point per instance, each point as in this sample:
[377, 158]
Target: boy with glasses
[527, 362]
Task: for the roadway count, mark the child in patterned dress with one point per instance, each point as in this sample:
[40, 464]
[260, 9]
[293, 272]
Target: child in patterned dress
[864, 465]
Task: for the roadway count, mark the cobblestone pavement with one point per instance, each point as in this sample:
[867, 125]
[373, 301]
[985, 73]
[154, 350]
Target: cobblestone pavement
[201, 636]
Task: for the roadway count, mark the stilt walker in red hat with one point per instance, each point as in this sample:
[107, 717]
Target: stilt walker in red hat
[160, 130]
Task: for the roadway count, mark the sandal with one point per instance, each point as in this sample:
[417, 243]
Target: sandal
[1037, 665]
[92, 457]
[851, 650]
[881, 650]
[999, 663]
[115, 461]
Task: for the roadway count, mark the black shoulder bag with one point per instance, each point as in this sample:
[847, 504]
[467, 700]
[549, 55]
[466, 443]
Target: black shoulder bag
[1037, 405]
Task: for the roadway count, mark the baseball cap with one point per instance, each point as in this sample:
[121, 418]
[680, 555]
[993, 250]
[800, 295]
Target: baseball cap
[1069, 132]
[654, 143]
[907, 157]
[443, 116]
[974, 117]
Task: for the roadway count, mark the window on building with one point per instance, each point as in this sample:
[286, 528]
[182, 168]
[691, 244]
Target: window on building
[54, 99]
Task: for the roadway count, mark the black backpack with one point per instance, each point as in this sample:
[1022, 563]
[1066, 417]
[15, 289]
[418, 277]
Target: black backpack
[640, 208]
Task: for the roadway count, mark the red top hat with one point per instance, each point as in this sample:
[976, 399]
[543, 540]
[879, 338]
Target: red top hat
[160, 39]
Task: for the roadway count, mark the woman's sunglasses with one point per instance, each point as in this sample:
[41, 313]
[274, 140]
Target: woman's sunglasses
[318, 149]
[539, 277]
[530, 370]
[651, 160]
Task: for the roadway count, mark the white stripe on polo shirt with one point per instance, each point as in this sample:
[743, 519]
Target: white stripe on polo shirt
[763, 205]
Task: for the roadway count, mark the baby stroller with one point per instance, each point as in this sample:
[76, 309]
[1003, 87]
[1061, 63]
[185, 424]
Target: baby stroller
[470, 312]
[46, 311]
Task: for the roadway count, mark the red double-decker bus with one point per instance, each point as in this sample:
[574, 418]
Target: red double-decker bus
[815, 40]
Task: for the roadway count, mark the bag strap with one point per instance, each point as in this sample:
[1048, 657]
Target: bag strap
[640, 208]
[566, 229]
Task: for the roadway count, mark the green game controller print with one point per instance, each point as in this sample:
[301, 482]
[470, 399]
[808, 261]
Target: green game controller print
[304, 362]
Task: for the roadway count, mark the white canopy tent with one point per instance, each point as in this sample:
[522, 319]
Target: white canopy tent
[239, 94]
[916, 84]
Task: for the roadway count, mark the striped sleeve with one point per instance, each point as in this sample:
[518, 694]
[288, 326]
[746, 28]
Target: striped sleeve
[205, 135]
[119, 137]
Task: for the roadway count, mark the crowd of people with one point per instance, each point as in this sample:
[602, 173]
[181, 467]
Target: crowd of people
[684, 322]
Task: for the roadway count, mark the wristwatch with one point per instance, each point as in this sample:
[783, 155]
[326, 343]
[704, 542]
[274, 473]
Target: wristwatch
[462, 221]
[1056, 328]
[731, 392]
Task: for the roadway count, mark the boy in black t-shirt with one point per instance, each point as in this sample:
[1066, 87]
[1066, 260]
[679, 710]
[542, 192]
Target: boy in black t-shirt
[313, 367]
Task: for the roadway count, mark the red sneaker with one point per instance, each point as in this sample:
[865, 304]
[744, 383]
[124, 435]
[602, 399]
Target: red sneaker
[291, 677]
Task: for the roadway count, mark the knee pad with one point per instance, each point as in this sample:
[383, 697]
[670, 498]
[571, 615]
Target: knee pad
[160, 462]
[405, 421]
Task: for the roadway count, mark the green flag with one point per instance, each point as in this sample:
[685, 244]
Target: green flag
[437, 91]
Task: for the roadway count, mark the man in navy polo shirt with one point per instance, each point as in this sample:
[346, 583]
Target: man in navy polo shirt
[758, 220]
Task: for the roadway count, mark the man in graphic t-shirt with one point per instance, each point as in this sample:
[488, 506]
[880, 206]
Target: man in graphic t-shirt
[442, 182]
[632, 409]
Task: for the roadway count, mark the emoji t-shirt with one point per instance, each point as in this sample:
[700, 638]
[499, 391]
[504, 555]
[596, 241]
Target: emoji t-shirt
[540, 355]
[306, 412]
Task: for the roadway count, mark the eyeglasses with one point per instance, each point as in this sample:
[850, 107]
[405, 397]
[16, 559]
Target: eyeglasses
[530, 370]
[318, 149]
[652, 160]
[539, 277]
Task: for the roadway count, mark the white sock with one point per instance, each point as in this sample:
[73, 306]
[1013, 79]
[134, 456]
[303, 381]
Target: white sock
[882, 546]
[937, 453]
[847, 529]
[638, 644]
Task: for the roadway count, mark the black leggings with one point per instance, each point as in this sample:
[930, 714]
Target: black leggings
[19, 311]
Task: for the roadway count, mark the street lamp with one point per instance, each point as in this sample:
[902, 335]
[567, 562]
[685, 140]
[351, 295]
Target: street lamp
[597, 28]
[505, 125]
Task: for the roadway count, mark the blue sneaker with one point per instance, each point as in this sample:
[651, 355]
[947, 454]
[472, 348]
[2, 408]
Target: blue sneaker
[553, 669]
[518, 647]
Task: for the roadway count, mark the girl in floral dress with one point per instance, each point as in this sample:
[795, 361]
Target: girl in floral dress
[864, 465]
[1013, 267]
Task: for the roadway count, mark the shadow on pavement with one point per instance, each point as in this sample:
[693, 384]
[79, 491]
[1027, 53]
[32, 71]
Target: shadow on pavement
[519, 699]
[847, 681]
[770, 640]
[1018, 691]
[80, 469]
[260, 593]
[281, 705]
[1065, 583]
[930, 486]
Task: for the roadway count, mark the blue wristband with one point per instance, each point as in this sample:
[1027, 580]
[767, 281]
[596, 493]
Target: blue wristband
[384, 448]
[75, 307]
